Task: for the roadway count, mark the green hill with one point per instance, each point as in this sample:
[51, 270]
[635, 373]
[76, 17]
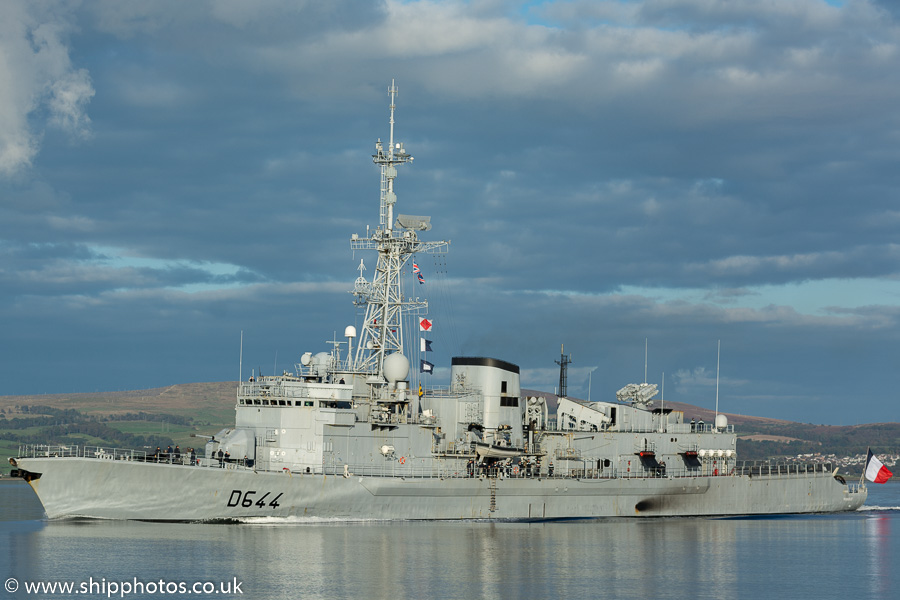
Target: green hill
[131, 419]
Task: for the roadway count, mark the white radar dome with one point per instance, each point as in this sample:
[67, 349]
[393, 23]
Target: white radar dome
[350, 331]
[721, 421]
[396, 367]
[306, 359]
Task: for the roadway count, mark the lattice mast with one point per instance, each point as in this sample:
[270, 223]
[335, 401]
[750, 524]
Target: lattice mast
[563, 362]
[396, 242]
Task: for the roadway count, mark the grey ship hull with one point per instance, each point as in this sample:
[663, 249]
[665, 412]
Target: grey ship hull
[87, 487]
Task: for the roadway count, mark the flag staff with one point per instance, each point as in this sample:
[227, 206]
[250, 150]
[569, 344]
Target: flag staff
[862, 476]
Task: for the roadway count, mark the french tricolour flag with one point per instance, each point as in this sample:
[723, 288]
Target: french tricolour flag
[876, 472]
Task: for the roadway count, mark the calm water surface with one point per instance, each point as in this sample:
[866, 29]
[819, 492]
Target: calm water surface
[854, 555]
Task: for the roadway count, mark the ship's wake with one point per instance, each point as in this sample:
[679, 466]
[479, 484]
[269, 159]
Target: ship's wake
[867, 508]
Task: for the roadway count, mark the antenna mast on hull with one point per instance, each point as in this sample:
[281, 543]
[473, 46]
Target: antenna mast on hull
[718, 356]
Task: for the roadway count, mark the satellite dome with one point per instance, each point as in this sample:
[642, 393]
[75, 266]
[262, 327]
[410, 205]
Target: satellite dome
[396, 367]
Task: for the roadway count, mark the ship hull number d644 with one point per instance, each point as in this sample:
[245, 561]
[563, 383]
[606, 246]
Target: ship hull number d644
[250, 498]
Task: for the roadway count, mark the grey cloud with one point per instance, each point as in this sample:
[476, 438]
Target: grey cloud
[39, 87]
[597, 146]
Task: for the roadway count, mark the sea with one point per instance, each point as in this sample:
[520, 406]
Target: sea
[847, 555]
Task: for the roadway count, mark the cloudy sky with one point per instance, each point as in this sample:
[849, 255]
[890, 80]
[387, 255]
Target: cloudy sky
[608, 172]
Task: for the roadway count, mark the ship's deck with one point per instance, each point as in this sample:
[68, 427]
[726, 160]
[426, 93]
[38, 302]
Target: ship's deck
[447, 469]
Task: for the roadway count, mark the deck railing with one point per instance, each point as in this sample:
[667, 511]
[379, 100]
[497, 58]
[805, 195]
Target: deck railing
[104, 453]
[565, 469]
[74, 450]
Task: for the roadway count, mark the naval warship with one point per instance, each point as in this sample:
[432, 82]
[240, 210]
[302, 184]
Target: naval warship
[348, 435]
